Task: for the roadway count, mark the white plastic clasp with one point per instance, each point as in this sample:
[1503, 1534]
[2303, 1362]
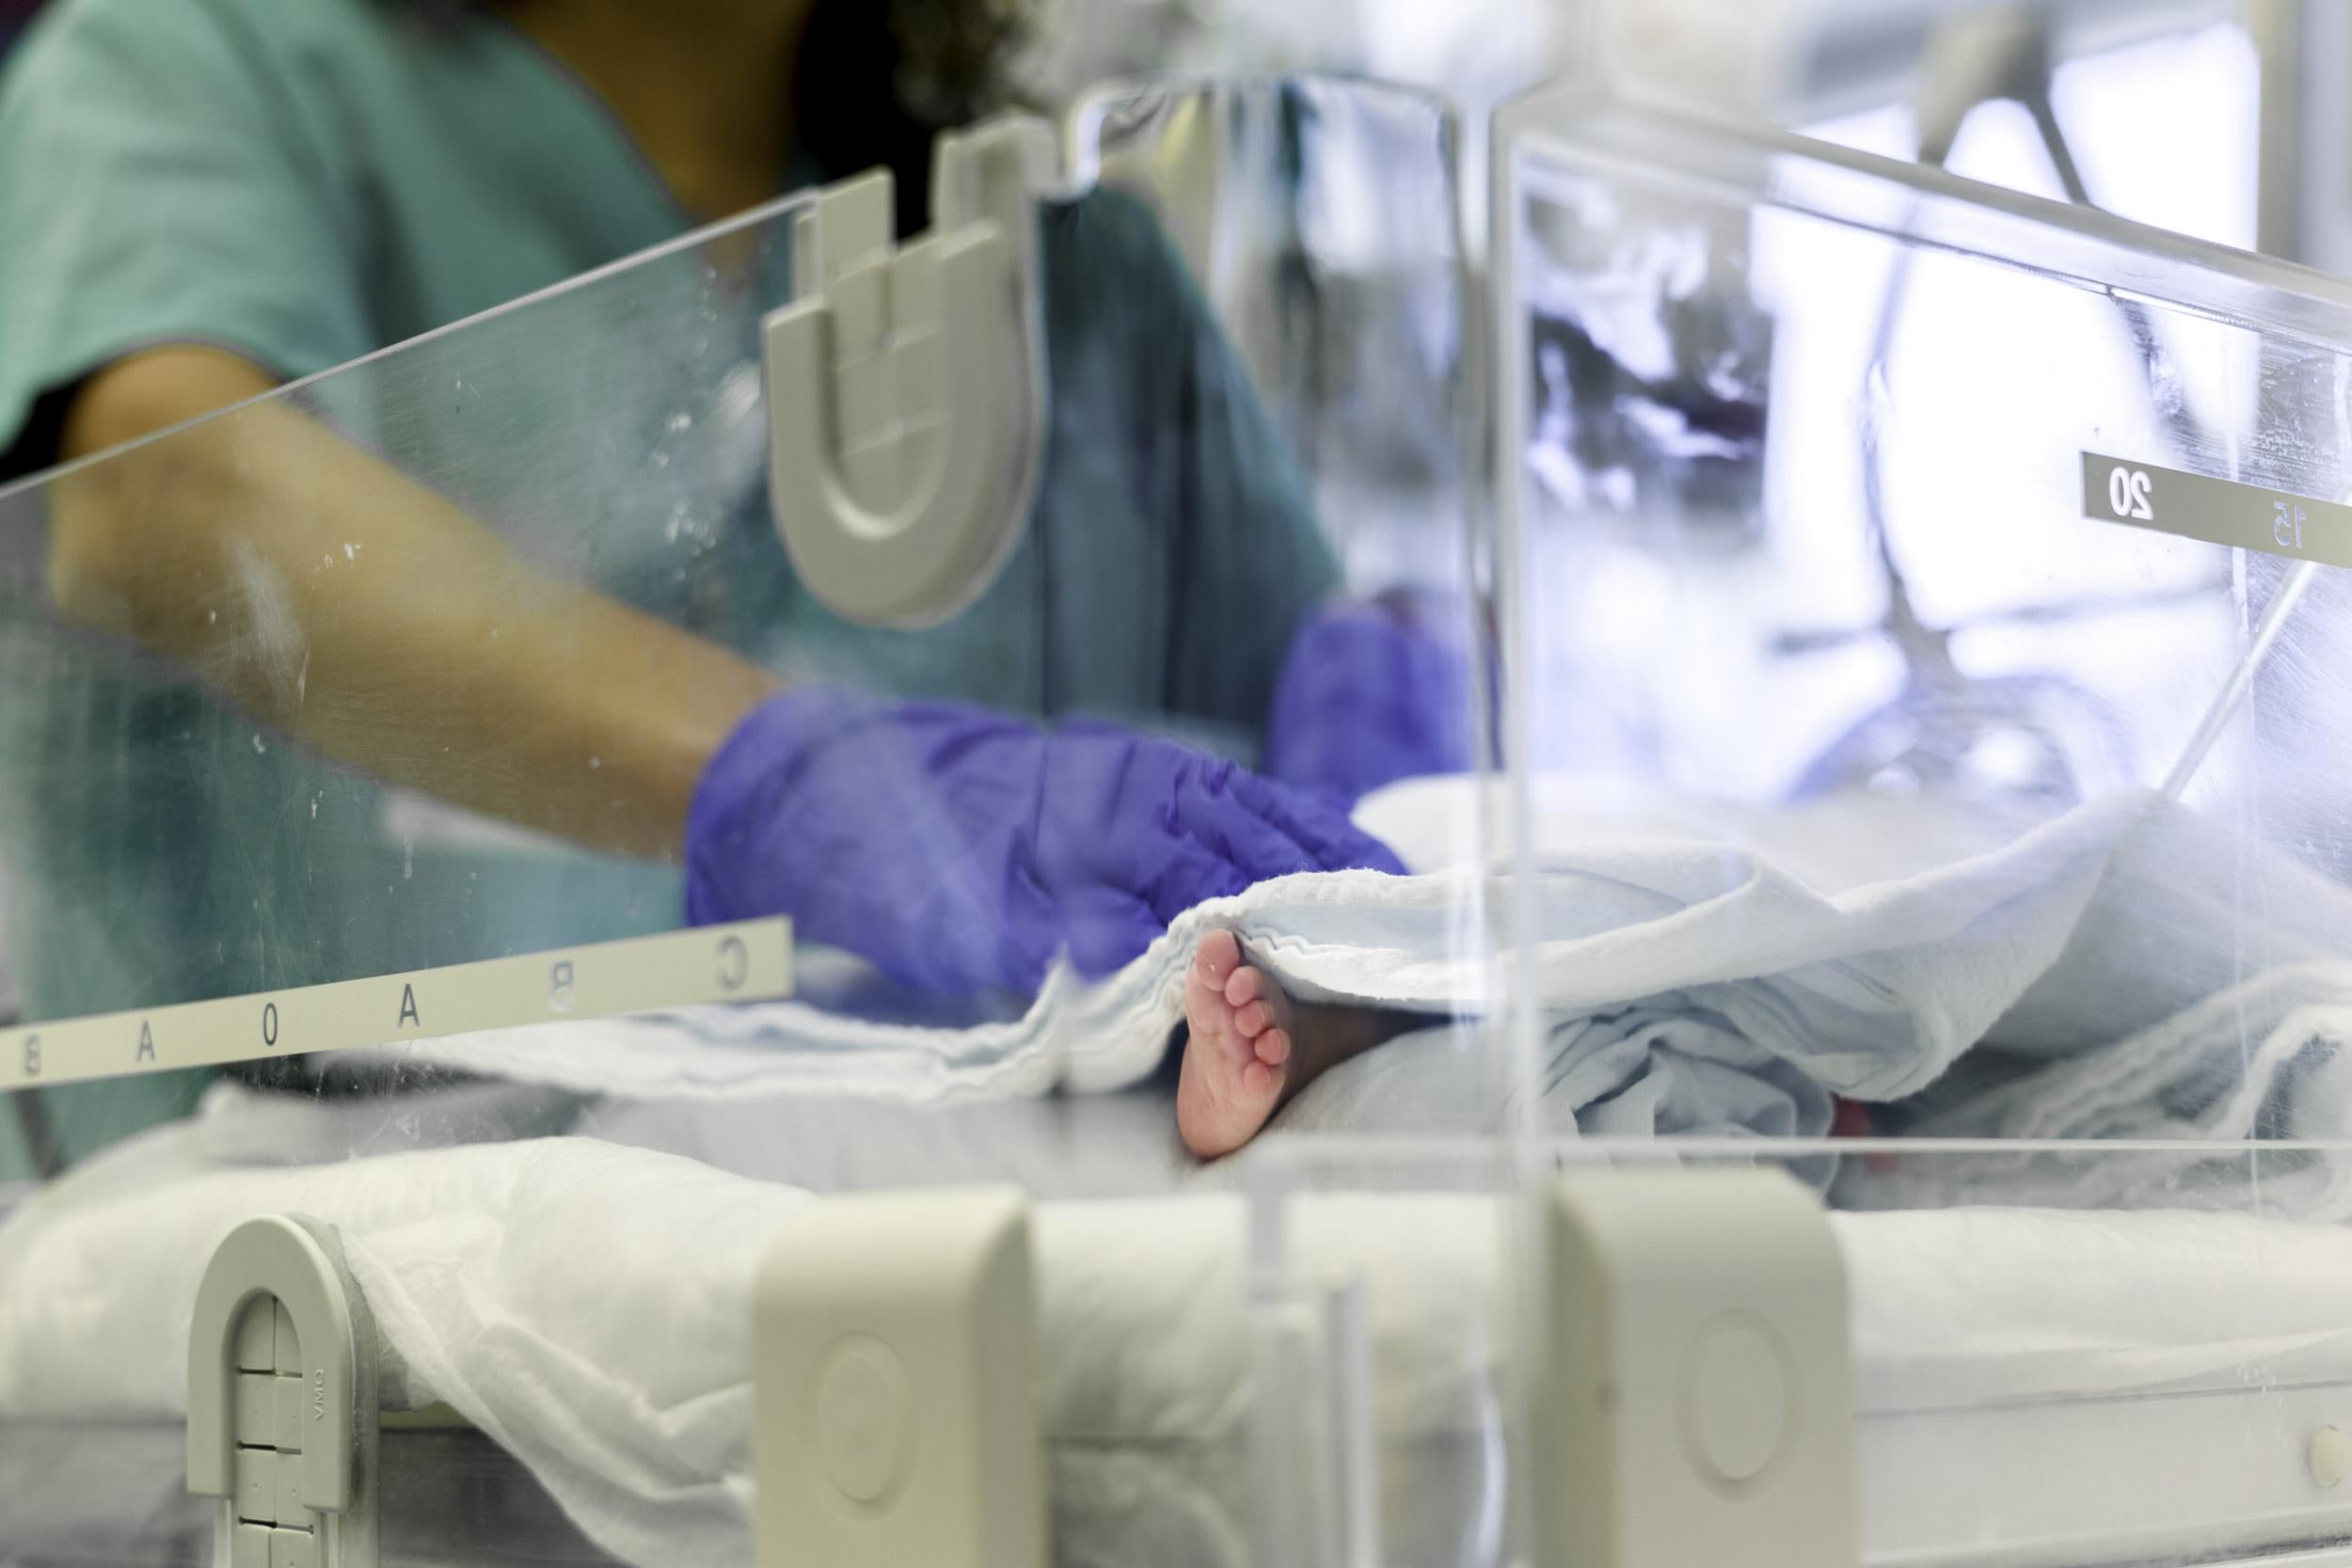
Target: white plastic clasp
[282, 1400]
[894, 1386]
[1693, 1398]
[906, 387]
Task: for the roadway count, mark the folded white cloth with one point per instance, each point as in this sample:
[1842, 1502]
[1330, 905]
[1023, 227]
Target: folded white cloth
[2161, 1116]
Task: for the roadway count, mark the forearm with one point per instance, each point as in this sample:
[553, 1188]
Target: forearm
[333, 596]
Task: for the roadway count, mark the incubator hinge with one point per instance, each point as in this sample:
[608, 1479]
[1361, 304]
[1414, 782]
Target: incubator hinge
[894, 1386]
[1694, 1401]
[906, 386]
[283, 1400]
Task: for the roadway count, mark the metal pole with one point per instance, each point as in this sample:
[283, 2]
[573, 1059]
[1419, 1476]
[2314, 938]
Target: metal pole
[2305, 212]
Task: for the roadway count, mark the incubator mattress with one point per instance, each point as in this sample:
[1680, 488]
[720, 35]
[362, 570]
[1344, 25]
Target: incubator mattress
[2043, 1387]
[2034, 1387]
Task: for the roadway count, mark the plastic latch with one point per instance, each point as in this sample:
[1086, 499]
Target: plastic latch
[906, 386]
[895, 1378]
[283, 1400]
[1313, 1428]
[1694, 1400]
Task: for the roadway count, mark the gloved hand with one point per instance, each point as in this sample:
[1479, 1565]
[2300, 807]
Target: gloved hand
[960, 850]
[1369, 694]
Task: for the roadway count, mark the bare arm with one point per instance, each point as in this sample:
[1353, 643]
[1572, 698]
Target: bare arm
[331, 595]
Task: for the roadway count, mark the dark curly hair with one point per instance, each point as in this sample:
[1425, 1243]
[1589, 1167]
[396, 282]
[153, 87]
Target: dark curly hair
[878, 79]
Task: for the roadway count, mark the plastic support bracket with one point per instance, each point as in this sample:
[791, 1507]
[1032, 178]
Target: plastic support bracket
[906, 386]
[1314, 1425]
[894, 1386]
[1694, 1397]
[283, 1400]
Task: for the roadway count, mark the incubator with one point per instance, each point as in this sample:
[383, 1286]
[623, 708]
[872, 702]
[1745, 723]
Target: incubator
[1858, 1073]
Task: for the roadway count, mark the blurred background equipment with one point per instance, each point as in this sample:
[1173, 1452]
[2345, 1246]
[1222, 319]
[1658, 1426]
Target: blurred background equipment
[2167, 102]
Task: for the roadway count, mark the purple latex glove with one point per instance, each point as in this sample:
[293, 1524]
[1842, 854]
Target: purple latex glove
[960, 850]
[1369, 694]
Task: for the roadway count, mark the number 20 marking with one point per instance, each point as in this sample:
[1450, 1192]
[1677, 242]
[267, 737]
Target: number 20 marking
[2127, 494]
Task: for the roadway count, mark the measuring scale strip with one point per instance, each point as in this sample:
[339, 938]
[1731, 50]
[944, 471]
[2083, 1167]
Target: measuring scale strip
[750, 961]
[2218, 511]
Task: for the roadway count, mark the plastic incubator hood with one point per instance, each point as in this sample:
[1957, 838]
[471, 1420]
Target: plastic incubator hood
[1963, 671]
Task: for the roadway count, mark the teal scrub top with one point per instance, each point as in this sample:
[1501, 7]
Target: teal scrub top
[303, 182]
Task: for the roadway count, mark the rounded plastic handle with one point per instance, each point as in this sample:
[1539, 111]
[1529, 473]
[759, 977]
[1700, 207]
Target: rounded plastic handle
[906, 387]
[290, 1261]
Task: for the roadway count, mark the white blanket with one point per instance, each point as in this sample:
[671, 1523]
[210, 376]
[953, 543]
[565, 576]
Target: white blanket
[1703, 972]
[588, 1306]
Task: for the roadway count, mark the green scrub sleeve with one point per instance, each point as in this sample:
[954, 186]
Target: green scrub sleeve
[1260, 563]
[154, 188]
[1245, 557]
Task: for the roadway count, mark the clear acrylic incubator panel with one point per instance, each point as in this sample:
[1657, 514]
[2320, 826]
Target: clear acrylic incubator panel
[1323, 218]
[1953, 580]
[1831, 441]
[413, 664]
[361, 707]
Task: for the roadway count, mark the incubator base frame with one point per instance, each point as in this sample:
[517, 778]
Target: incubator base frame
[1692, 1403]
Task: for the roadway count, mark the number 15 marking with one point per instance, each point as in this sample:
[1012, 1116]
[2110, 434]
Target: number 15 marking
[2287, 527]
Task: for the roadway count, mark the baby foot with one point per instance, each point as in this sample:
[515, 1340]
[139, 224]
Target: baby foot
[1234, 1067]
